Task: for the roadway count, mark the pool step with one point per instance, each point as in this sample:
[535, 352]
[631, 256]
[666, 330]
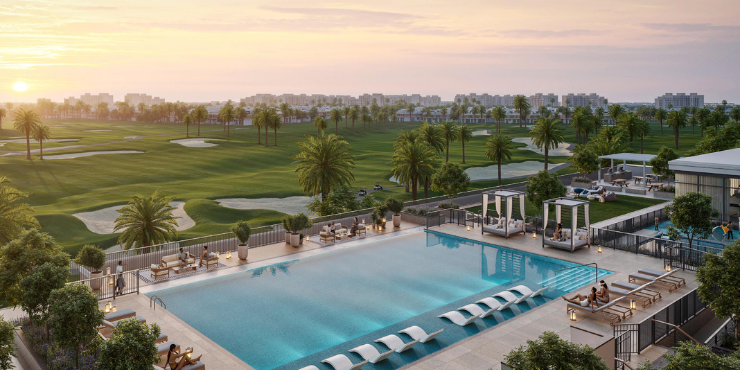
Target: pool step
[571, 279]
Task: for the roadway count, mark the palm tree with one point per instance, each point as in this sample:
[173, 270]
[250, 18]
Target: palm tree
[702, 115]
[227, 115]
[414, 162]
[410, 109]
[241, 114]
[142, 107]
[499, 114]
[366, 119]
[187, 120]
[41, 133]
[465, 134]
[432, 135]
[146, 221]
[693, 121]
[547, 134]
[346, 111]
[285, 112]
[258, 120]
[320, 124]
[631, 124]
[734, 114]
[615, 110]
[335, 116]
[14, 217]
[324, 163]
[498, 149]
[25, 123]
[643, 129]
[676, 120]
[444, 113]
[269, 117]
[598, 119]
[3, 113]
[353, 115]
[275, 123]
[661, 115]
[200, 115]
[522, 106]
[579, 124]
[450, 133]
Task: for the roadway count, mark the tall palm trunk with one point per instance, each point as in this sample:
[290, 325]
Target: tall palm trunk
[336, 127]
[353, 125]
[661, 127]
[266, 140]
[228, 129]
[198, 128]
[414, 188]
[448, 151]
[187, 130]
[28, 145]
[41, 149]
[275, 128]
[546, 153]
[499, 172]
[675, 135]
[259, 135]
[463, 148]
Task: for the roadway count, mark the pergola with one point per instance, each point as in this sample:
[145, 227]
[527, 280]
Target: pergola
[508, 196]
[624, 157]
[573, 205]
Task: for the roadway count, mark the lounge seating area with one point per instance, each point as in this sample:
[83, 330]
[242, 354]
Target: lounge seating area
[505, 224]
[332, 233]
[564, 238]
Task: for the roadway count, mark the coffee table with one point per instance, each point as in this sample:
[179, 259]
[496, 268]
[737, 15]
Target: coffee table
[190, 268]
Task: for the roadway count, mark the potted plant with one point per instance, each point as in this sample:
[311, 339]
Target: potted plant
[286, 225]
[92, 257]
[396, 206]
[301, 240]
[297, 223]
[380, 211]
[242, 231]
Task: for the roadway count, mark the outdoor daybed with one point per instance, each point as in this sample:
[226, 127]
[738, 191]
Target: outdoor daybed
[506, 225]
[567, 241]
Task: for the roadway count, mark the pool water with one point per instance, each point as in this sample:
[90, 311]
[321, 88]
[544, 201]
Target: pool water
[295, 314]
[714, 241]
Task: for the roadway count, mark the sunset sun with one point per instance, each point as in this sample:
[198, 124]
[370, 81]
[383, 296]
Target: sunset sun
[20, 86]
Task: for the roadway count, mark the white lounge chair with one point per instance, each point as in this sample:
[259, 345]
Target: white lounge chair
[395, 343]
[474, 309]
[510, 297]
[371, 353]
[310, 367]
[493, 304]
[458, 318]
[419, 334]
[524, 290]
[341, 362]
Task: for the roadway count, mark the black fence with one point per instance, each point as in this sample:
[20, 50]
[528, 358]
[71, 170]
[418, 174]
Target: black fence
[623, 344]
[652, 329]
[722, 342]
[639, 222]
[106, 287]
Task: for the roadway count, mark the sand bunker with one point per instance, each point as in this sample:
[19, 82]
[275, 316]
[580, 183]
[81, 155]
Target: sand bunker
[561, 151]
[96, 130]
[88, 154]
[195, 143]
[289, 205]
[103, 220]
[508, 171]
[482, 133]
[23, 141]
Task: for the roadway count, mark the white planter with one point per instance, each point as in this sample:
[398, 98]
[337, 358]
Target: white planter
[96, 277]
[396, 220]
[295, 240]
[243, 251]
[287, 237]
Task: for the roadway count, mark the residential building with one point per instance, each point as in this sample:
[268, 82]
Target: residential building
[364, 99]
[679, 100]
[135, 99]
[539, 100]
[90, 99]
[486, 99]
[582, 100]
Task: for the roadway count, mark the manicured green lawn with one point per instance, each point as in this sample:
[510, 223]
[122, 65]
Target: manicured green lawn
[599, 211]
[237, 167]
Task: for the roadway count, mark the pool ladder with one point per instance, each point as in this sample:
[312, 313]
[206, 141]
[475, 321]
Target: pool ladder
[153, 300]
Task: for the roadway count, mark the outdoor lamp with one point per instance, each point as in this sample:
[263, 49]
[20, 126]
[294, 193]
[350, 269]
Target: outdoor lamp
[228, 256]
[599, 250]
[573, 315]
[668, 268]
[110, 280]
[380, 228]
[306, 237]
[218, 254]
[383, 219]
[363, 220]
[534, 235]
[468, 228]
[633, 305]
[107, 307]
[107, 270]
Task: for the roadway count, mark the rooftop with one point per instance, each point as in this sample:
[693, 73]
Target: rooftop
[629, 157]
[724, 162]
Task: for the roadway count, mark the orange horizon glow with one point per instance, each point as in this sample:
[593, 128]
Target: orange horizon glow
[630, 50]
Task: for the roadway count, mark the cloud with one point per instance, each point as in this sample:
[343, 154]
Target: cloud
[689, 27]
[539, 34]
[342, 12]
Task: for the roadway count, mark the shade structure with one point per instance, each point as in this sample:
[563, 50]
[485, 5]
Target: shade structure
[506, 224]
[572, 238]
[624, 157]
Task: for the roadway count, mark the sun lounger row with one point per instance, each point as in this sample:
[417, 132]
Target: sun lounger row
[492, 305]
[371, 354]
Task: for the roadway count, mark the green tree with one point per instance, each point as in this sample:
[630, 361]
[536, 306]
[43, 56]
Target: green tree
[20, 256]
[631, 124]
[549, 352]
[547, 134]
[691, 215]
[451, 180]
[7, 344]
[146, 221]
[584, 160]
[498, 149]
[718, 285]
[130, 347]
[324, 163]
[92, 257]
[320, 124]
[690, 356]
[660, 115]
[275, 123]
[521, 104]
[643, 129]
[598, 119]
[3, 113]
[544, 186]
[25, 123]
[432, 135]
[227, 114]
[353, 115]
[336, 116]
[465, 134]
[74, 317]
[14, 216]
[615, 111]
[285, 112]
[449, 133]
[200, 115]
[41, 133]
[366, 119]
[187, 120]
[660, 162]
[499, 114]
[734, 113]
[676, 120]
[37, 287]
[581, 124]
[269, 118]
[414, 162]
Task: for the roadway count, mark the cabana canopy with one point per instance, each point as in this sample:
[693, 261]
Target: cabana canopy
[570, 243]
[509, 197]
[624, 157]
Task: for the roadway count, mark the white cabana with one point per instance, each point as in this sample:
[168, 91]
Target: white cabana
[624, 157]
[571, 238]
[506, 225]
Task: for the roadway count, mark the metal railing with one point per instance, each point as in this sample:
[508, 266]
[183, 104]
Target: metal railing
[661, 324]
[596, 267]
[622, 345]
[723, 339]
[106, 287]
[153, 300]
[639, 222]
[621, 364]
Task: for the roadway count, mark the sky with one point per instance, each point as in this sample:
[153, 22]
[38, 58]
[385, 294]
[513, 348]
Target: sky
[626, 50]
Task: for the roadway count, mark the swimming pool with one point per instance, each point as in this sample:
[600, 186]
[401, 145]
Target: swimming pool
[699, 243]
[295, 314]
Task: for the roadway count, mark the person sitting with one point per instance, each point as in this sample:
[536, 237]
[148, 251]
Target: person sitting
[355, 227]
[182, 256]
[603, 294]
[173, 355]
[558, 233]
[584, 301]
[331, 228]
[203, 256]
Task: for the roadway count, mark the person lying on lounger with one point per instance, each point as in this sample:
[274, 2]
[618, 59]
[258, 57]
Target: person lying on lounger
[558, 233]
[584, 301]
[173, 355]
[603, 294]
